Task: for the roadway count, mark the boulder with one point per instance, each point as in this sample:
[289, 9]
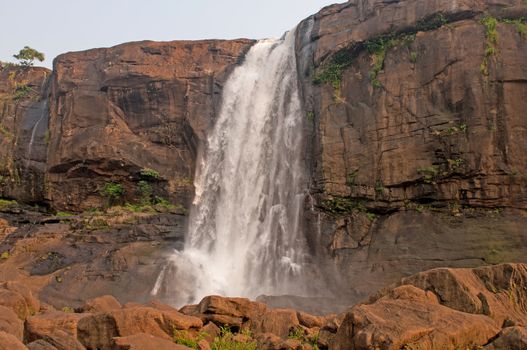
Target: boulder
[156, 304]
[269, 341]
[279, 322]
[234, 307]
[18, 297]
[310, 321]
[44, 325]
[10, 342]
[496, 291]
[441, 309]
[228, 311]
[10, 323]
[203, 345]
[40, 344]
[511, 338]
[97, 331]
[131, 305]
[396, 321]
[142, 341]
[190, 309]
[62, 340]
[16, 302]
[101, 304]
[211, 330]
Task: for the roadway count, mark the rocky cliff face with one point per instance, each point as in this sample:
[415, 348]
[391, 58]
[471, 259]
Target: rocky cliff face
[415, 140]
[108, 115]
[117, 111]
[23, 121]
[417, 135]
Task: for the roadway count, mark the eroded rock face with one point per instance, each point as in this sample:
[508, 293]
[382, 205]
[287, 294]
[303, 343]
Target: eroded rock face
[105, 115]
[144, 105]
[23, 129]
[414, 126]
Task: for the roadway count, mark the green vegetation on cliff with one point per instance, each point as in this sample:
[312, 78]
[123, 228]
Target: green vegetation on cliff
[377, 47]
[28, 55]
[491, 49]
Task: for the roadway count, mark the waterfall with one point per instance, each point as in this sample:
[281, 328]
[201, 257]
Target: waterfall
[43, 113]
[245, 235]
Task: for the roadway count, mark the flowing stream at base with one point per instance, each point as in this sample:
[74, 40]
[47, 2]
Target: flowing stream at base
[245, 236]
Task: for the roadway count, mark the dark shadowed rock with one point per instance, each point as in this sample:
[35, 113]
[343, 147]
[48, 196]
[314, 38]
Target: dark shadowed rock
[511, 338]
[62, 340]
[40, 345]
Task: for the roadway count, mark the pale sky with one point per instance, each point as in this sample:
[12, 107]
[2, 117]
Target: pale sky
[57, 26]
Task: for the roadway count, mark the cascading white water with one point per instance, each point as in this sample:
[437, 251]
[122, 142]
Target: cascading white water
[245, 236]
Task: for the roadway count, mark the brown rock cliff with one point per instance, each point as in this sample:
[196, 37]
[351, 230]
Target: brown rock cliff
[144, 105]
[418, 136]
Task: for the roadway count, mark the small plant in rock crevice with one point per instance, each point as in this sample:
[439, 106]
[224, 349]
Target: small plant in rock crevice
[47, 137]
[350, 179]
[371, 216]
[519, 24]
[491, 46]
[413, 57]
[429, 173]
[145, 190]
[378, 48]
[68, 309]
[113, 192]
[379, 187]
[455, 164]
[22, 91]
[296, 334]
[339, 205]
[149, 174]
[300, 335]
[5, 133]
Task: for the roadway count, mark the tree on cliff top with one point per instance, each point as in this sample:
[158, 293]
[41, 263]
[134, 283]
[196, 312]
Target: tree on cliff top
[27, 55]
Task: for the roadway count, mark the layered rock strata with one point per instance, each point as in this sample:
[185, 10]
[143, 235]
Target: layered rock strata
[417, 136]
